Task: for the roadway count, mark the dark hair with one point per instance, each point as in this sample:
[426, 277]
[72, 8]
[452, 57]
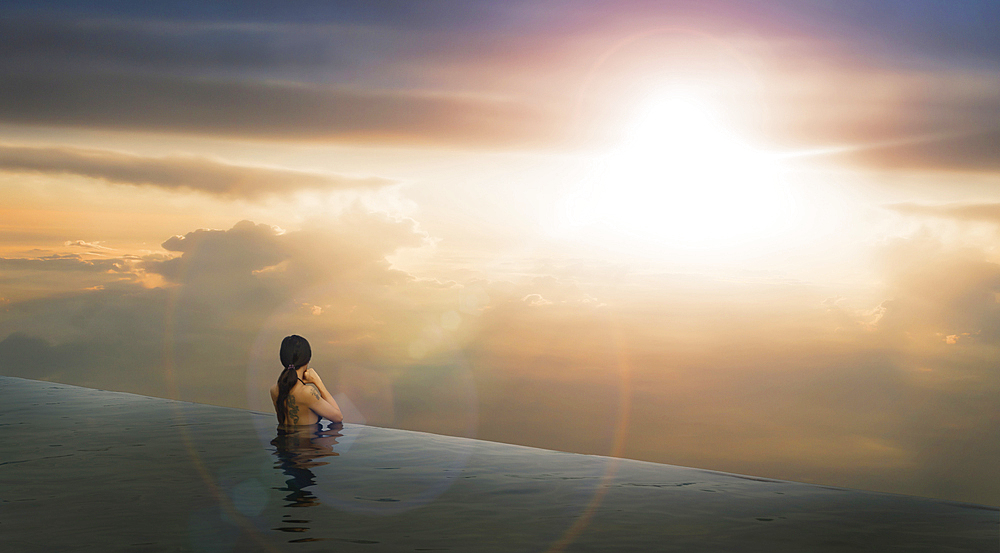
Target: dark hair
[295, 352]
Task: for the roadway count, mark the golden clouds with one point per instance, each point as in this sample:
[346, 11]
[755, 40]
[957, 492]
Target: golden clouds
[738, 376]
[938, 290]
[122, 268]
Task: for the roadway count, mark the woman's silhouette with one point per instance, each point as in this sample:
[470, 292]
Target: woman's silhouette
[300, 401]
[300, 398]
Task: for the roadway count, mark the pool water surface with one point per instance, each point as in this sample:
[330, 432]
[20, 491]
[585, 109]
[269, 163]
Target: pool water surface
[90, 470]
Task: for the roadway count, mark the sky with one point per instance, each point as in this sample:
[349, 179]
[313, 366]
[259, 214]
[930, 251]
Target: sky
[757, 237]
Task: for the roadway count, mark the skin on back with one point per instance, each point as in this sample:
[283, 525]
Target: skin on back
[308, 400]
[300, 398]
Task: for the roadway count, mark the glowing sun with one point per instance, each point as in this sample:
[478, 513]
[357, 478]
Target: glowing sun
[680, 178]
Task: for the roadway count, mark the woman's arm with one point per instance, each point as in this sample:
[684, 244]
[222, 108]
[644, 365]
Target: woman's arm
[323, 405]
[312, 377]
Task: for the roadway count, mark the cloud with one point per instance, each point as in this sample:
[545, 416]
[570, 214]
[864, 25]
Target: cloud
[885, 117]
[975, 150]
[770, 381]
[270, 110]
[64, 262]
[174, 172]
[935, 291]
[223, 288]
[33, 357]
[24, 237]
[212, 46]
[55, 274]
[224, 255]
[743, 377]
[987, 212]
[928, 29]
[351, 247]
[89, 245]
[313, 36]
[535, 300]
[509, 85]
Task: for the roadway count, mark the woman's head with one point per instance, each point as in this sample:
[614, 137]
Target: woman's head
[295, 351]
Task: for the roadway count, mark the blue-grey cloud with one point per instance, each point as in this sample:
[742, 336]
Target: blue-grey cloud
[957, 32]
[268, 110]
[962, 33]
[32, 44]
[428, 14]
[356, 72]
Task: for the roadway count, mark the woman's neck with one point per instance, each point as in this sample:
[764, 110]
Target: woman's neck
[301, 371]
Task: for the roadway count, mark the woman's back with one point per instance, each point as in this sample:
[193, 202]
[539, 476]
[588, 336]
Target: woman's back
[297, 412]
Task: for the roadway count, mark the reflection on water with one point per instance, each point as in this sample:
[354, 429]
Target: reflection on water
[300, 449]
[399, 491]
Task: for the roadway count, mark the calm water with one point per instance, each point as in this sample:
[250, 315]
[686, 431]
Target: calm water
[88, 470]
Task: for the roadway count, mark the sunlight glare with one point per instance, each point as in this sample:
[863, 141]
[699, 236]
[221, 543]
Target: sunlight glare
[681, 179]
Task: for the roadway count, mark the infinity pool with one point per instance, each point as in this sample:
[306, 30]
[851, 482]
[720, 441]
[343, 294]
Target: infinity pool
[90, 470]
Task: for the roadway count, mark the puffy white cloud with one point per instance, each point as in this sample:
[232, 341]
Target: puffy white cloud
[220, 288]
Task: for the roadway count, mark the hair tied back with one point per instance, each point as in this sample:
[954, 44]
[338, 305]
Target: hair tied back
[294, 352]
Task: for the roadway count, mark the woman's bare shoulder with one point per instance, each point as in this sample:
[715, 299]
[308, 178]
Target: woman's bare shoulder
[309, 392]
[303, 393]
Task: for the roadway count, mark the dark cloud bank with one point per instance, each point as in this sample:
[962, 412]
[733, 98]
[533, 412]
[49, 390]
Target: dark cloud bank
[268, 110]
[401, 82]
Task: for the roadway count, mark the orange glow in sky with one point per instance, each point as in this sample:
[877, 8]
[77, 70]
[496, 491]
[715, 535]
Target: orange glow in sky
[783, 220]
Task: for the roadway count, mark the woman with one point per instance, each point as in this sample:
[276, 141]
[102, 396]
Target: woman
[299, 397]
